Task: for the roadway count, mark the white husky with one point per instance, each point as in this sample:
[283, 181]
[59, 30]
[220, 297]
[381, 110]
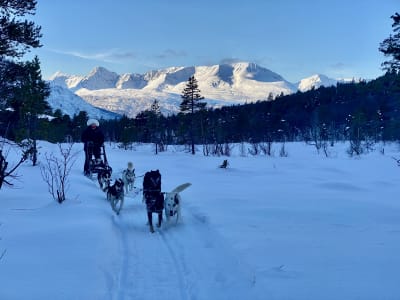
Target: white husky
[128, 177]
[173, 202]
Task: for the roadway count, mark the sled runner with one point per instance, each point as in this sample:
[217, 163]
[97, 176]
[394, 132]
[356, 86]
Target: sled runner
[96, 165]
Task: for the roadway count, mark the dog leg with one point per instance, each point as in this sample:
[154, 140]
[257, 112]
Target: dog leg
[178, 214]
[150, 220]
[166, 212]
[159, 219]
[122, 204]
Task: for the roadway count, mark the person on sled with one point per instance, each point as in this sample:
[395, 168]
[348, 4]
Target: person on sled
[93, 139]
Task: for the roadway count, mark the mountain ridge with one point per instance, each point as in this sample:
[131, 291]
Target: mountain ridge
[223, 84]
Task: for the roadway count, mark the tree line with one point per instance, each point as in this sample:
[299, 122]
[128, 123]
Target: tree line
[363, 110]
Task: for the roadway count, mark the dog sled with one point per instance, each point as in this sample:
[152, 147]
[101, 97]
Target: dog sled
[95, 166]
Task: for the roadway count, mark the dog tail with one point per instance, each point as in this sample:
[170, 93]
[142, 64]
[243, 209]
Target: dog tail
[181, 187]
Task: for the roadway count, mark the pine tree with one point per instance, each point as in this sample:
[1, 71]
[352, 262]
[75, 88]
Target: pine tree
[155, 125]
[33, 90]
[191, 97]
[191, 103]
[17, 35]
[150, 121]
[30, 98]
[391, 47]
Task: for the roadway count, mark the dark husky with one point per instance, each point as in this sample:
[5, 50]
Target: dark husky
[104, 179]
[115, 194]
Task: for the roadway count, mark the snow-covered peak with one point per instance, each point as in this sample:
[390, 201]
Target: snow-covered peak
[131, 81]
[100, 72]
[65, 80]
[58, 75]
[253, 71]
[177, 76]
[315, 81]
[59, 79]
[99, 78]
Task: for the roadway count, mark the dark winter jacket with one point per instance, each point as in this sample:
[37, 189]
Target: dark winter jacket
[94, 135]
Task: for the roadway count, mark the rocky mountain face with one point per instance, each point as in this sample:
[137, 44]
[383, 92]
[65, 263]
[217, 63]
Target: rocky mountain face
[224, 84]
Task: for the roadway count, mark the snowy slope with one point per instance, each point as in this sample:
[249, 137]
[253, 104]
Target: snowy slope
[71, 104]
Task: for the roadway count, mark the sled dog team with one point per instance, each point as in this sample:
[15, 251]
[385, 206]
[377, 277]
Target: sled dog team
[155, 200]
[93, 140]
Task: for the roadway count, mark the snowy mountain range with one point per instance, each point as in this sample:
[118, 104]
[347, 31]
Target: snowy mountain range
[129, 94]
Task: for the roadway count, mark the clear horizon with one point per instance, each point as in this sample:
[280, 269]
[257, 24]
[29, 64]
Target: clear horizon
[339, 39]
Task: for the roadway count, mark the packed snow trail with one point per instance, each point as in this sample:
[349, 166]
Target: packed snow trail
[185, 260]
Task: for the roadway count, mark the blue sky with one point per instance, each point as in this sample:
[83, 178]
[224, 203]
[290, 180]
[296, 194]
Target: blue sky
[296, 39]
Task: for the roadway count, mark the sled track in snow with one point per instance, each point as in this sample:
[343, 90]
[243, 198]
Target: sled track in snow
[122, 276]
[179, 261]
[130, 282]
[183, 285]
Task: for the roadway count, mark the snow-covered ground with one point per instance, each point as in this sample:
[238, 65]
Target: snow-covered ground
[297, 227]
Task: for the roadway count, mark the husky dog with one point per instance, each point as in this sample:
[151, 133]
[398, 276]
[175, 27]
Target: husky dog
[104, 179]
[128, 177]
[153, 197]
[115, 194]
[173, 202]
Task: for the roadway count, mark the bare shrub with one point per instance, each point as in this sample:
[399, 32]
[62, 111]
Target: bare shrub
[55, 171]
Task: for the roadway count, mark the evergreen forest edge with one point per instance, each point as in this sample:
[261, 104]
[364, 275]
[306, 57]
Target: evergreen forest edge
[365, 111]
